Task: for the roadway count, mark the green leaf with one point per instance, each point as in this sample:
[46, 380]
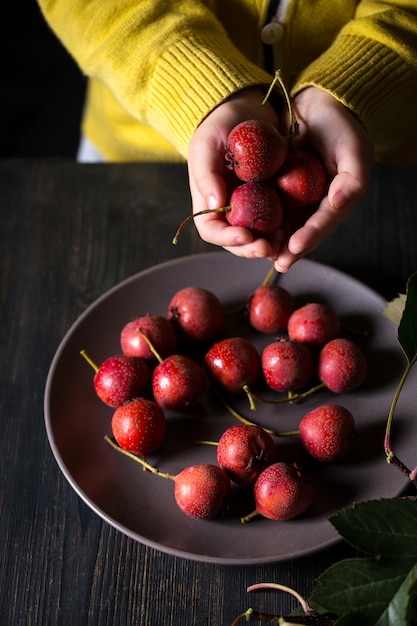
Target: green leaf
[386, 527]
[407, 329]
[378, 590]
[399, 610]
[367, 590]
[395, 308]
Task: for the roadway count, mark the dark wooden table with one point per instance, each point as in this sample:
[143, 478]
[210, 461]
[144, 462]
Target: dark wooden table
[68, 233]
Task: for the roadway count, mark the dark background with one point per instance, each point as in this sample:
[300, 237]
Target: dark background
[41, 88]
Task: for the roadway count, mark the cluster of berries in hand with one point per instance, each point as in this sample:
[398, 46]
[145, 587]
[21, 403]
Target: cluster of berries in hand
[273, 181]
[276, 178]
[153, 376]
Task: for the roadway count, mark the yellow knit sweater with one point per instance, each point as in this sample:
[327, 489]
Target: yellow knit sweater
[158, 67]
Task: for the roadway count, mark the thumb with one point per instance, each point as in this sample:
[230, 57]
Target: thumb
[346, 190]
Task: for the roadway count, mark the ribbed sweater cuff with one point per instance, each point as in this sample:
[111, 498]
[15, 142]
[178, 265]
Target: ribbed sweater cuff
[177, 108]
[362, 74]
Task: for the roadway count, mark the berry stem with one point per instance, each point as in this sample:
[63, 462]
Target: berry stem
[250, 397]
[310, 616]
[391, 457]
[89, 361]
[138, 459]
[266, 281]
[291, 397]
[288, 433]
[242, 419]
[247, 615]
[304, 604]
[204, 442]
[151, 346]
[248, 518]
[313, 619]
[268, 278]
[225, 209]
[294, 126]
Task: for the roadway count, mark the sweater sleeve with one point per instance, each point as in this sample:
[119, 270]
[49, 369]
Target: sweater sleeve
[167, 62]
[371, 67]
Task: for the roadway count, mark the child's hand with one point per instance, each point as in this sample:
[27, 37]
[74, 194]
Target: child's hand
[332, 131]
[326, 126]
[209, 176]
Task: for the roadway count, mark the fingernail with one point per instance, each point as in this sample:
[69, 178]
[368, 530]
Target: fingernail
[241, 240]
[280, 268]
[339, 199]
[212, 202]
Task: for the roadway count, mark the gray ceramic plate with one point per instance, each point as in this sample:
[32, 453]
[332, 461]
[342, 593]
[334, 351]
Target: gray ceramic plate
[141, 504]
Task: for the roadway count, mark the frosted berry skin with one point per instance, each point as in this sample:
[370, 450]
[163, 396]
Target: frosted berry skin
[287, 365]
[314, 323]
[342, 366]
[159, 331]
[233, 363]
[302, 179]
[244, 451]
[282, 492]
[196, 313]
[256, 206]
[255, 150]
[139, 426]
[178, 382]
[202, 491]
[269, 309]
[327, 433]
[121, 378]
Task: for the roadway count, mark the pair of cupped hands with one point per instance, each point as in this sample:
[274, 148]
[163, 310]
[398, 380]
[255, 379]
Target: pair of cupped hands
[326, 127]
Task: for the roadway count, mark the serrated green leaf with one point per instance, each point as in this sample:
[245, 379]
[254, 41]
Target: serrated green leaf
[364, 590]
[386, 527]
[407, 329]
[413, 614]
[400, 608]
[395, 308]
[346, 620]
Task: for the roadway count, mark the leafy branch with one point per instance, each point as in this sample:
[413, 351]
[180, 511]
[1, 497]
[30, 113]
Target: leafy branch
[377, 589]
